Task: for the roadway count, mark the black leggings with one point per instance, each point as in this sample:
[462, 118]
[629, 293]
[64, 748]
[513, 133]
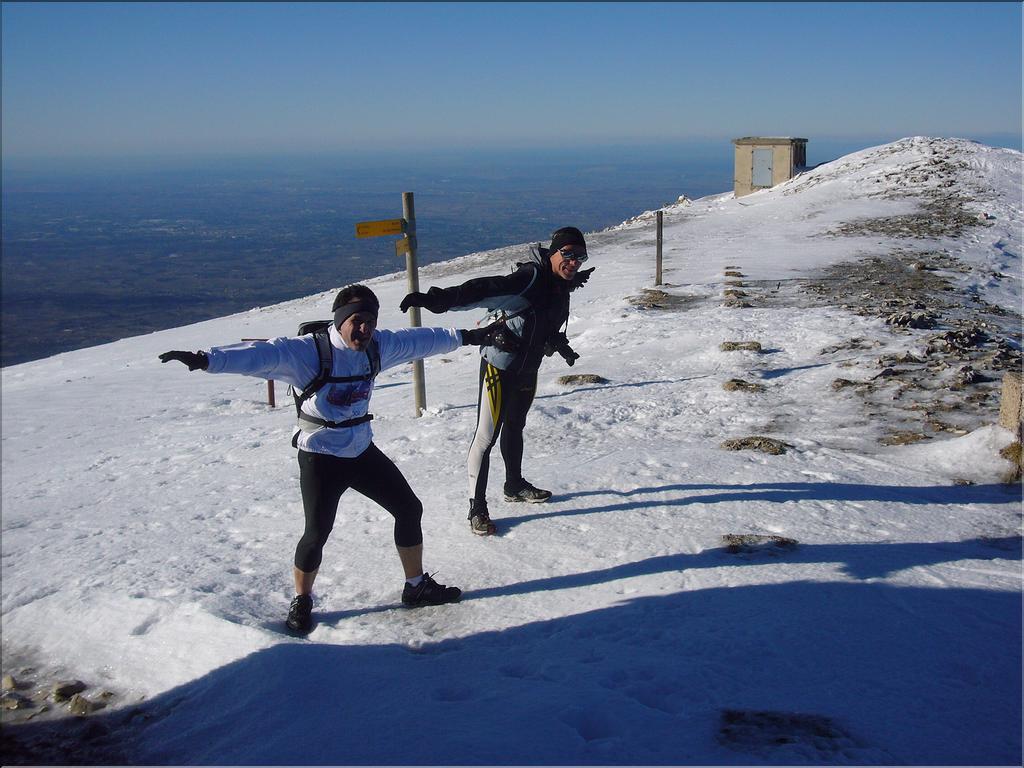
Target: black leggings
[324, 478]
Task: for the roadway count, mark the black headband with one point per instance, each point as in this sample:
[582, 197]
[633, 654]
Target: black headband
[342, 313]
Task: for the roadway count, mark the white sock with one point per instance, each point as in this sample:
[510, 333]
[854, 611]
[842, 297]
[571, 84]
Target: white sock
[414, 581]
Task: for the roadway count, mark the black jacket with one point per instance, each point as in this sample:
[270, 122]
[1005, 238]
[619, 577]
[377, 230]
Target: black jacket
[535, 300]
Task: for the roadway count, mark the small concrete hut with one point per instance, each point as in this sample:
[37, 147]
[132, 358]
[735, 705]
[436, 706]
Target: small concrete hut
[763, 162]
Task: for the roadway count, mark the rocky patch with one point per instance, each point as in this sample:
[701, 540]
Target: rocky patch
[651, 298]
[26, 697]
[903, 438]
[735, 543]
[581, 378]
[942, 216]
[741, 385]
[756, 443]
[763, 732]
[1013, 454]
[740, 346]
[960, 347]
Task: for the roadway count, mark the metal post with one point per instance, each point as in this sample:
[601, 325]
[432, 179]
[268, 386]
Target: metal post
[270, 384]
[657, 257]
[412, 272]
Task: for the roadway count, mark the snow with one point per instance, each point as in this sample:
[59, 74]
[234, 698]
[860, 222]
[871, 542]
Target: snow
[150, 516]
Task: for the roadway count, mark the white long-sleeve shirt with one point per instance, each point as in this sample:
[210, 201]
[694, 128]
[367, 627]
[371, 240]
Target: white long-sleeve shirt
[295, 360]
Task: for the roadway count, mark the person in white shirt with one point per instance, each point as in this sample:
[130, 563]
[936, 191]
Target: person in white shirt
[333, 435]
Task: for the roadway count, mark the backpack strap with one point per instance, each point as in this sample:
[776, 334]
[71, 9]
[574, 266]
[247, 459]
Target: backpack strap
[501, 314]
[325, 352]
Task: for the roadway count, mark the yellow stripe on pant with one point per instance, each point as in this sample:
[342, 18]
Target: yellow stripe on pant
[493, 381]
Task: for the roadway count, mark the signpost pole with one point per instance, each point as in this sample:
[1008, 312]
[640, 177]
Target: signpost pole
[412, 272]
[406, 226]
[657, 254]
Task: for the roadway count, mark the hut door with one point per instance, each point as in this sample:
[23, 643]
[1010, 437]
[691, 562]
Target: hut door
[762, 174]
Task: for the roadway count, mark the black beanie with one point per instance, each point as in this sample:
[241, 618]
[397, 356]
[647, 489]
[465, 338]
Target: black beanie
[566, 236]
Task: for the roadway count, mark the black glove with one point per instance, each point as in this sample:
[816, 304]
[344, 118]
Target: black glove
[497, 334]
[581, 277]
[434, 300]
[194, 360]
[560, 344]
[568, 354]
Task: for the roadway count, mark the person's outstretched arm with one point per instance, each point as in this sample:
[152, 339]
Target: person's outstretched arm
[405, 344]
[291, 360]
[479, 292]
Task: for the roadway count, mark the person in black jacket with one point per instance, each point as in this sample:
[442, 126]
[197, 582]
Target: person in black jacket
[534, 301]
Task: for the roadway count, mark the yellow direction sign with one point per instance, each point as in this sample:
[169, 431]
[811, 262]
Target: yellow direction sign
[380, 228]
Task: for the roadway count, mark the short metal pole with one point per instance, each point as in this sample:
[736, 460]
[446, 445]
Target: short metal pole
[412, 272]
[657, 257]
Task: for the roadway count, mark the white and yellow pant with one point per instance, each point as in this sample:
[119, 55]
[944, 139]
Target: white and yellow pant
[503, 401]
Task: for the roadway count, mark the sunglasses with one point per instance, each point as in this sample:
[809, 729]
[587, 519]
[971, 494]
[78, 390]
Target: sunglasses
[580, 257]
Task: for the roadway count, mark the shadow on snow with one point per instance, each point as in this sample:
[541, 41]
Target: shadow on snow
[908, 674]
[779, 493]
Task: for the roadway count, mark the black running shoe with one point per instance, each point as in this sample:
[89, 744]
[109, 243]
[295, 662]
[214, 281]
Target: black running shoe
[429, 592]
[479, 519]
[527, 493]
[300, 615]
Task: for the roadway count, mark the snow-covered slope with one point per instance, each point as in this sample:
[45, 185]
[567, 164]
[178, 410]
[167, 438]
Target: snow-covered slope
[150, 515]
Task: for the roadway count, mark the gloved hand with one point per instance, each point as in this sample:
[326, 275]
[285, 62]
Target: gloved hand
[581, 277]
[194, 360]
[560, 344]
[497, 334]
[434, 300]
[568, 355]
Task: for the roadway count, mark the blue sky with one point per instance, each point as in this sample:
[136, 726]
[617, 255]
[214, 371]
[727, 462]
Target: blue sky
[167, 78]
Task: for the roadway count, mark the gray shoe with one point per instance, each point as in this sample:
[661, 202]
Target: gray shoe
[528, 493]
[480, 520]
